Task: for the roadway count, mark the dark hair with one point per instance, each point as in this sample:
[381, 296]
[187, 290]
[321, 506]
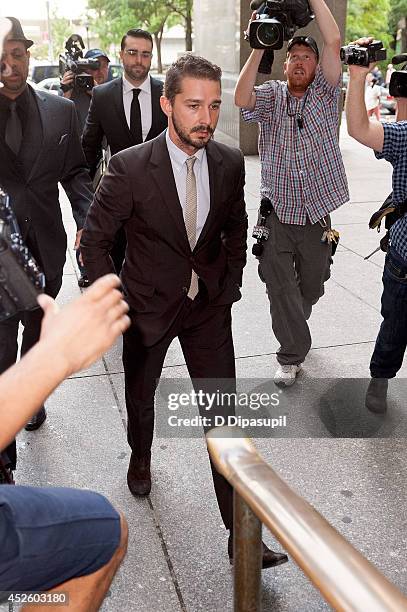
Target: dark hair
[136, 33]
[189, 66]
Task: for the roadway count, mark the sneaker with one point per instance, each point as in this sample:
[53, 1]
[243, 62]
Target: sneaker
[6, 475]
[286, 374]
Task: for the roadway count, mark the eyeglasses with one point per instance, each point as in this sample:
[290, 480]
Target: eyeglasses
[134, 52]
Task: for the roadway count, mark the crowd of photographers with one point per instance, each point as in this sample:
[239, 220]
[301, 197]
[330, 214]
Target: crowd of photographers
[302, 181]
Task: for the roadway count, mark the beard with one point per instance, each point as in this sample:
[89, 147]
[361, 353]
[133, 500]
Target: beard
[187, 136]
[137, 73]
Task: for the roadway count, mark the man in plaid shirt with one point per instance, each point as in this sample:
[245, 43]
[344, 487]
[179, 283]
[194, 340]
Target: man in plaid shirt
[303, 176]
[389, 141]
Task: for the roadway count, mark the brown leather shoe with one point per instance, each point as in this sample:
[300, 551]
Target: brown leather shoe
[139, 475]
[270, 558]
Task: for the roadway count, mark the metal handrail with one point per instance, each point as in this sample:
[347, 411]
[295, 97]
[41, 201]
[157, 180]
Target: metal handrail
[345, 578]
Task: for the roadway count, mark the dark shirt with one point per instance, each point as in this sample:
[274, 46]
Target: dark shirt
[27, 109]
[23, 106]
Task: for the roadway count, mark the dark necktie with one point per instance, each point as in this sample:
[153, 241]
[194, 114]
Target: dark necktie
[14, 132]
[135, 118]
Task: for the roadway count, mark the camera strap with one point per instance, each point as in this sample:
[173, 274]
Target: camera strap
[299, 115]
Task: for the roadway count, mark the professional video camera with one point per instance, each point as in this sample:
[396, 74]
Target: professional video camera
[260, 231]
[398, 80]
[357, 55]
[276, 21]
[21, 280]
[73, 60]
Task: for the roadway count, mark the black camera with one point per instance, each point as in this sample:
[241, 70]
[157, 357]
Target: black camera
[260, 231]
[21, 280]
[398, 80]
[357, 55]
[276, 22]
[73, 60]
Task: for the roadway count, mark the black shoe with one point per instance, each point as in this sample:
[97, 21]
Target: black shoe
[36, 421]
[376, 395]
[83, 281]
[270, 558]
[139, 475]
[6, 475]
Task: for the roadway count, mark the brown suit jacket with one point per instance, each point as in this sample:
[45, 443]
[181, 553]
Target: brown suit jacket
[139, 193]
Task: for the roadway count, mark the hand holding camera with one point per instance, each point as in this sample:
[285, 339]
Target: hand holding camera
[75, 64]
[364, 52]
[272, 23]
[67, 82]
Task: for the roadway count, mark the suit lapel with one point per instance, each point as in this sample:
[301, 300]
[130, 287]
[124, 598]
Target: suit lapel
[216, 174]
[155, 107]
[163, 176]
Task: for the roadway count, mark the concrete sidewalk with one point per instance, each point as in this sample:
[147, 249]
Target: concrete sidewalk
[177, 557]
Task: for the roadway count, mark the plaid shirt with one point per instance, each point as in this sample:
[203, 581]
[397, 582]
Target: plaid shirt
[395, 152]
[301, 169]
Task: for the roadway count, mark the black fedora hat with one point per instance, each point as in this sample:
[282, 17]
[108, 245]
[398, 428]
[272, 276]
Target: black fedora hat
[16, 33]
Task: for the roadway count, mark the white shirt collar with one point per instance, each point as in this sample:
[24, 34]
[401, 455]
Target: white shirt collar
[145, 86]
[179, 157]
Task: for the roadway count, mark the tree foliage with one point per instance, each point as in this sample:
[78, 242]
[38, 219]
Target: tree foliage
[398, 13]
[368, 18]
[110, 19]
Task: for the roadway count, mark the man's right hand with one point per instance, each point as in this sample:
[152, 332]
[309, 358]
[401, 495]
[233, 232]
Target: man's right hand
[67, 81]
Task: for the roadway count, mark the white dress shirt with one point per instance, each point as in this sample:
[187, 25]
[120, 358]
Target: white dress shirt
[145, 103]
[179, 168]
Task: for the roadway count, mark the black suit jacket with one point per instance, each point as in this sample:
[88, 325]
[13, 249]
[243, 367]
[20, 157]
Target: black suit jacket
[139, 193]
[106, 117]
[34, 196]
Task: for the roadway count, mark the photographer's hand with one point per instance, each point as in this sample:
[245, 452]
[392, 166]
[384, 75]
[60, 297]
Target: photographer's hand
[368, 133]
[67, 83]
[245, 96]
[361, 70]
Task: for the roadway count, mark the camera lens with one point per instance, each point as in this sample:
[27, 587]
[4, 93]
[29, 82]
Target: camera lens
[268, 34]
